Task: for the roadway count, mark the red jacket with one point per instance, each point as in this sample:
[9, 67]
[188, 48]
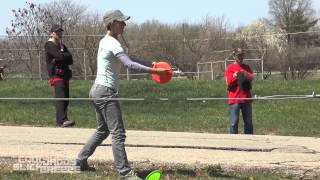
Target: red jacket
[235, 91]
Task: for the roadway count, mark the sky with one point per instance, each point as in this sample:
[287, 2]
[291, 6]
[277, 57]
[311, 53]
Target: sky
[235, 12]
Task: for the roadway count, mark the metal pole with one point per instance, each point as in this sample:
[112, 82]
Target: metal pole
[84, 64]
[128, 74]
[225, 64]
[211, 66]
[84, 57]
[39, 63]
[262, 66]
[198, 73]
[184, 44]
[262, 73]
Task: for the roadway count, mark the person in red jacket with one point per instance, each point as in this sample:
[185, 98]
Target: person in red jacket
[238, 79]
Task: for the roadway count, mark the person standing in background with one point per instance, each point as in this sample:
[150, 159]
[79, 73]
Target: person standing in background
[58, 59]
[238, 78]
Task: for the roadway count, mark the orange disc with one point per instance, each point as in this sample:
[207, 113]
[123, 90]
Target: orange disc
[163, 78]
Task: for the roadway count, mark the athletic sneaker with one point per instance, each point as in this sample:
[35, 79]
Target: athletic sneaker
[131, 175]
[68, 123]
[84, 166]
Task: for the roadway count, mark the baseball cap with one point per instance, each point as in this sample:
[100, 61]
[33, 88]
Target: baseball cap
[55, 28]
[237, 51]
[114, 15]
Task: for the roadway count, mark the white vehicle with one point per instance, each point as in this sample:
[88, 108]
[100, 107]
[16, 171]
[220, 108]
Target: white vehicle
[177, 71]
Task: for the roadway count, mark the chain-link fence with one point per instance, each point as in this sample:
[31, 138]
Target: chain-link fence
[192, 59]
[215, 70]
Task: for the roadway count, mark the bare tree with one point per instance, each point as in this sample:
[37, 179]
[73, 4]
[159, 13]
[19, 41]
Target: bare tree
[89, 31]
[203, 39]
[153, 41]
[292, 16]
[66, 13]
[264, 42]
[26, 32]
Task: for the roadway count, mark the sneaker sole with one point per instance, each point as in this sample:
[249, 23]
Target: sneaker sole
[68, 125]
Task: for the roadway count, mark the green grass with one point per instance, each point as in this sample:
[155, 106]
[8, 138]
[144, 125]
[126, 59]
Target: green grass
[7, 175]
[106, 171]
[280, 117]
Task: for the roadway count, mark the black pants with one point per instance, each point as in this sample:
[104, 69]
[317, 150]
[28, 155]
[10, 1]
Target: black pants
[61, 90]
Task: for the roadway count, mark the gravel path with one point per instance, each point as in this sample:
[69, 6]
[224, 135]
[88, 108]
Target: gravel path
[296, 154]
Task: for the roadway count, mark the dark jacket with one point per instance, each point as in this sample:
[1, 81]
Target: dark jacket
[58, 61]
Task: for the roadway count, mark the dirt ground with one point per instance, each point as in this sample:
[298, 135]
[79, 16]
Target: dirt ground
[299, 155]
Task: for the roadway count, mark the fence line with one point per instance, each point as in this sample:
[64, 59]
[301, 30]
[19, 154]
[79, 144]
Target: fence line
[194, 39]
[272, 97]
[34, 62]
[225, 63]
[128, 74]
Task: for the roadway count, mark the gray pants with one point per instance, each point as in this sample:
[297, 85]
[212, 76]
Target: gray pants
[109, 121]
